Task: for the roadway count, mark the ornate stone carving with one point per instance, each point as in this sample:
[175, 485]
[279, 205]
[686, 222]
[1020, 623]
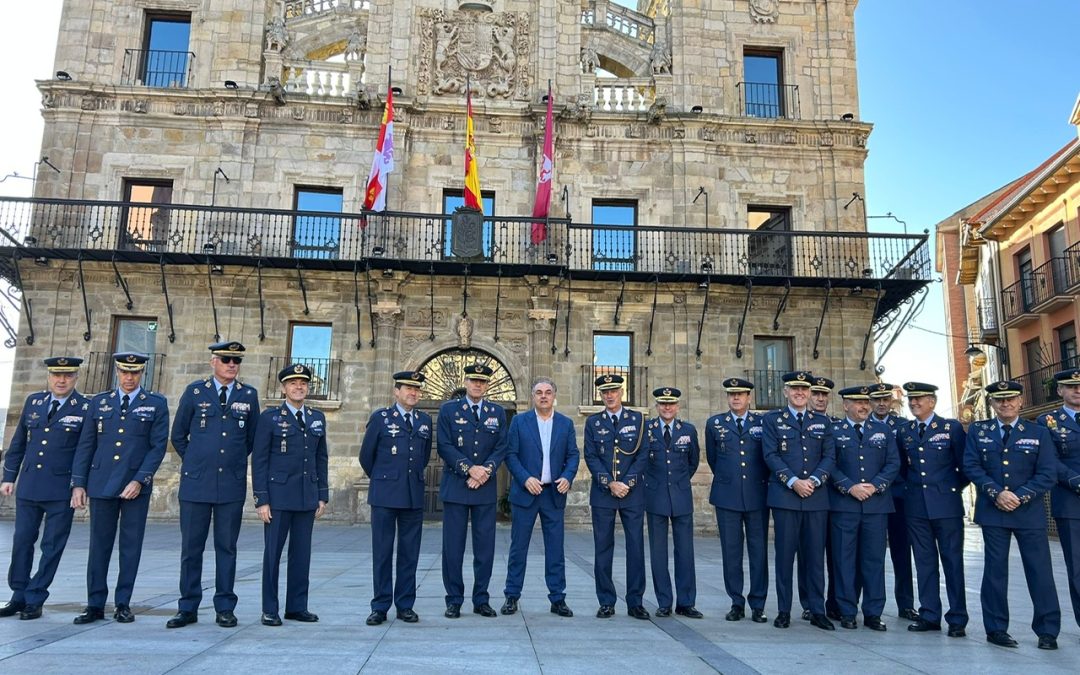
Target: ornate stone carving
[277, 38]
[356, 46]
[463, 327]
[826, 139]
[48, 100]
[655, 114]
[660, 56]
[750, 137]
[495, 124]
[710, 132]
[491, 49]
[765, 11]
[140, 105]
[579, 110]
[219, 108]
[345, 116]
[590, 60]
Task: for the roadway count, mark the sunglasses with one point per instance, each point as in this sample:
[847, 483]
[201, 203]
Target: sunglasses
[231, 359]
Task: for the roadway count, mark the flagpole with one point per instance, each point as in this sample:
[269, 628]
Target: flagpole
[390, 95]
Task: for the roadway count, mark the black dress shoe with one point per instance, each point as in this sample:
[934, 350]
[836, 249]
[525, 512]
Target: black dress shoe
[484, 610]
[509, 607]
[924, 626]
[452, 612]
[123, 614]
[638, 612]
[874, 623]
[408, 615]
[1001, 639]
[782, 620]
[270, 619]
[304, 616]
[30, 612]
[181, 619]
[758, 616]
[806, 615]
[957, 631]
[735, 613]
[847, 622]
[226, 619]
[663, 612]
[909, 614]
[376, 618]
[561, 609]
[90, 615]
[833, 614]
[821, 621]
[1047, 642]
[605, 612]
[12, 608]
[690, 612]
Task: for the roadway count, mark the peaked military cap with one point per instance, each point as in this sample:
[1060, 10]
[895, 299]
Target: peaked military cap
[1004, 389]
[478, 371]
[913, 389]
[1068, 376]
[823, 384]
[797, 378]
[294, 371]
[412, 378]
[228, 348]
[63, 364]
[882, 390]
[734, 385]
[858, 393]
[667, 395]
[609, 381]
[131, 362]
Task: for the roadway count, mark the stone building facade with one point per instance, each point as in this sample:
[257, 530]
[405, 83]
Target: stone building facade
[708, 187]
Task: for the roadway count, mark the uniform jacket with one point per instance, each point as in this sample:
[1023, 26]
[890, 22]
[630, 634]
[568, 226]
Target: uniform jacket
[1065, 496]
[115, 450]
[791, 452]
[525, 455]
[463, 443]
[214, 442]
[616, 455]
[935, 463]
[739, 473]
[394, 459]
[670, 468]
[289, 464]
[1026, 466]
[44, 450]
[875, 460]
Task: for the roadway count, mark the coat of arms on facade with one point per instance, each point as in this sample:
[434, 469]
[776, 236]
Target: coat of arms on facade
[765, 11]
[490, 49]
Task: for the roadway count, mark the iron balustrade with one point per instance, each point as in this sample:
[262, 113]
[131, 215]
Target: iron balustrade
[1040, 388]
[1052, 279]
[325, 382]
[1071, 267]
[157, 68]
[764, 99]
[988, 319]
[636, 378]
[98, 373]
[768, 391]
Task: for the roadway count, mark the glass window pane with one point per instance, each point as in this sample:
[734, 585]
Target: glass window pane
[317, 236]
[146, 228]
[614, 242]
[762, 90]
[135, 335]
[769, 255]
[166, 59]
[611, 356]
[310, 344]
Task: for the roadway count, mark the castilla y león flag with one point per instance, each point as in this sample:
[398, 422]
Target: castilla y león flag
[543, 184]
[383, 161]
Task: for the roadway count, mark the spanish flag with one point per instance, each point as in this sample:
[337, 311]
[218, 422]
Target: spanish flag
[472, 176]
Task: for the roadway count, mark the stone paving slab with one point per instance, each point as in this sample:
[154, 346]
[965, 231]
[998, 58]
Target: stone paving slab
[533, 641]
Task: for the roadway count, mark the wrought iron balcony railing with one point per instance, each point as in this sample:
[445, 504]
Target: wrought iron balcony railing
[1052, 279]
[1040, 388]
[760, 99]
[768, 391]
[988, 318]
[325, 382]
[637, 392]
[98, 374]
[157, 68]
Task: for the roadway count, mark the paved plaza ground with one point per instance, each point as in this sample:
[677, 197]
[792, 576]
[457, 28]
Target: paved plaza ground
[532, 641]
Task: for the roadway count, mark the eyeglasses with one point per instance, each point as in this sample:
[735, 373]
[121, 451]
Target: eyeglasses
[231, 359]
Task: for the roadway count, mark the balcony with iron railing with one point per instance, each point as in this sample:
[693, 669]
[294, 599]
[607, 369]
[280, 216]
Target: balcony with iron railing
[770, 101]
[1044, 289]
[98, 374]
[636, 389]
[989, 328]
[768, 391]
[325, 382]
[157, 68]
[1040, 388]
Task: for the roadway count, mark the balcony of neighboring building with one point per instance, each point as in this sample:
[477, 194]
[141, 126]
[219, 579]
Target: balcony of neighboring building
[989, 326]
[1040, 388]
[1042, 290]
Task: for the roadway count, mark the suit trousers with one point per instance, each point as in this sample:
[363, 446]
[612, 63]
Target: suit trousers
[25, 587]
[1069, 533]
[551, 526]
[802, 532]
[900, 552]
[106, 515]
[195, 518]
[407, 525]
[455, 528]
[1035, 555]
[603, 524]
[296, 527]
[732, 526]
[682, 536]
[858, 544]
[933, 540]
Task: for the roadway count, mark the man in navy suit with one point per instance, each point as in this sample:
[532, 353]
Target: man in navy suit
[613, 440]
[932, 447]
[1064, 426]
[122, 443]
[394, 455]
[867, 461]
[213, 432]
[669, 500]
[733, 449]
[289, 464]
[472, 443]
[542, 456]
[798, 448]
[1011, 462]
[42, 449]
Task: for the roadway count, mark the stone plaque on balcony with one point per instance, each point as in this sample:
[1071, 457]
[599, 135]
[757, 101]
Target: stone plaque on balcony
[467, 233]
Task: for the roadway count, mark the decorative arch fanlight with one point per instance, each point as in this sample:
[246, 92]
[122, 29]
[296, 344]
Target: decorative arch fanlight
[445, 373]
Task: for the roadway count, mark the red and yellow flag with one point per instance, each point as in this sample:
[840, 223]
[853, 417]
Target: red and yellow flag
[383, 162]
[472, 176]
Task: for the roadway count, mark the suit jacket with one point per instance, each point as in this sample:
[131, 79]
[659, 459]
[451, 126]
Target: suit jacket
[46, 468]
[791, 452]
[874, 459]
[525, 455]
[394, 459]
[670, 468]
[1065, 430]
[935, 462]
[214, 442]
[615, 455]
[288, 464]
[116, 449]
[1026, 466]
[463, 443]
[740, 476]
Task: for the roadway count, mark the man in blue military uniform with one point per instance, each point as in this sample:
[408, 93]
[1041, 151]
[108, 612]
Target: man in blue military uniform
[123, 440]
[289, 465]
[733, 450]
[542, 455]
[613, 440]
[798, 448]
[674, 455]
[472, 443]
[867, 461]
[1064, 427]
[1011, 462]
[213, 431]
[932, 447]
[394, 455]
[820, 392]
[42, 449]
[881, 400]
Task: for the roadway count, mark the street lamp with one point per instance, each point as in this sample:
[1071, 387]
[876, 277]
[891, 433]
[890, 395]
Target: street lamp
[973, 350]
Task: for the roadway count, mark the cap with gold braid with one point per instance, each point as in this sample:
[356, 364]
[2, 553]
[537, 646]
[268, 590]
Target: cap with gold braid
[294, 371]
[605, 382]
[913, 389]
[859, 393]
[1071, 376]
[228, 348]
[667, 395]
[822, 384]
[734, 385]
[478, 371]
[1004, 389]
[63, 364]
[130, 362]
[410, 378]
[882, 390]
[797, 378]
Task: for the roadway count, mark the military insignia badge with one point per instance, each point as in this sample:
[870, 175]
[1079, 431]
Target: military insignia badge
[1051, 423]
[298, 369]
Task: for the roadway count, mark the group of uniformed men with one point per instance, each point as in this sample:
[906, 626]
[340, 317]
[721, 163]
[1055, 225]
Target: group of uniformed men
[841, 491]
